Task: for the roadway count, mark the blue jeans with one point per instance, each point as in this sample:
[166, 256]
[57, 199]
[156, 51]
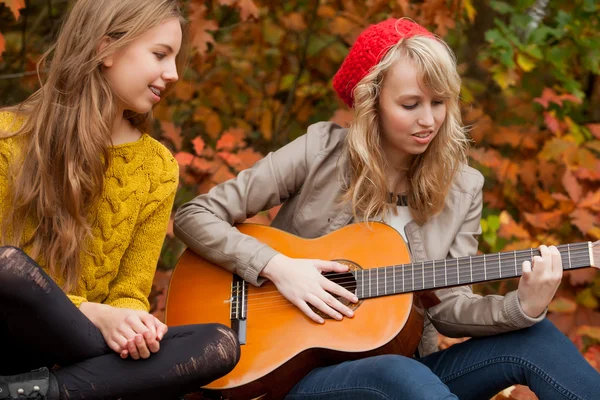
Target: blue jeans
[540, 357]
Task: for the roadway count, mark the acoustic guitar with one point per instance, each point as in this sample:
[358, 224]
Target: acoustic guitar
[280, 345]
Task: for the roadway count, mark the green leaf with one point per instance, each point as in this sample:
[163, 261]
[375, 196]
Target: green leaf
[502, 7]
[494, 222]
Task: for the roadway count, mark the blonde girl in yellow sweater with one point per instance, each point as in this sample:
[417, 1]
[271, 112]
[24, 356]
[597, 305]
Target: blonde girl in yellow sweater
[85, 198]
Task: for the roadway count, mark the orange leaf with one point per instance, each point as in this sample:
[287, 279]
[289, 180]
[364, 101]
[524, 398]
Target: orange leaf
[15, 6]
[562, 305]
[591, 201]
[2, 45]
[551, 122]
[593, 332]
[199, 28]
[544, 220]
[294, 21]
[249, 157]
[238, 135]
[226, 142]
[247, 9]
[508, 136]
[509, 228]
[582, 276]
[202, 165]
[171, 132]
[572, 186]
[184, 159]
[230, 158]
[222, 174]
[545, 199]
[528, 173]
[198, 145]
[595, 129]
[583, 220]
[593, 357]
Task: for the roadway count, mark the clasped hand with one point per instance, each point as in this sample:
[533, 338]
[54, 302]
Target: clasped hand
[129, 332]
[540, 281]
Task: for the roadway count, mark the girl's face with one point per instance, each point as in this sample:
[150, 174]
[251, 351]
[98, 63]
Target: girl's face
[139, 73]
[410, 115]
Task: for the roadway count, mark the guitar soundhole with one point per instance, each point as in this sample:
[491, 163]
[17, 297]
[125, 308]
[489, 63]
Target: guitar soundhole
[347, 281]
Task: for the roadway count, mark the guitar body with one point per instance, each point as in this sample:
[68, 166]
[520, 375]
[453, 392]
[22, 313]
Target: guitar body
[281, 344]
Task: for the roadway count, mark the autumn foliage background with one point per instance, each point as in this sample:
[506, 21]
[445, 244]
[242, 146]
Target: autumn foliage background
[261, 73]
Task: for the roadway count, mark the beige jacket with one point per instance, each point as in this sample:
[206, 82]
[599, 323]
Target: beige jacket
[304, 176]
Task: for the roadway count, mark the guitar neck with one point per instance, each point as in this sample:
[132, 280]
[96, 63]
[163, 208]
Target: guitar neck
[427, 275]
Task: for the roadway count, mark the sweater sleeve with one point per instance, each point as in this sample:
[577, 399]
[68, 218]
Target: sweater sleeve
[131, 287]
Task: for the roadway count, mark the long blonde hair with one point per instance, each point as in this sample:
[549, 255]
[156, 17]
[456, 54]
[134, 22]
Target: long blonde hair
[430, 174]
[67, 126]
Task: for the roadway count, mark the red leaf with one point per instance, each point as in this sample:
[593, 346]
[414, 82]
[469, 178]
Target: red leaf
[184, 159]
[572, 186]
[202, 165]
[583, 220]
[247, 9]
[230, 158]
[199, 28]
[591, 201]
[595, 129]
[171, 132]
[226, 142]
[593, 357]
[551, 122]
[15, 6]
[198, 145]
[2, 45]
[544, 220]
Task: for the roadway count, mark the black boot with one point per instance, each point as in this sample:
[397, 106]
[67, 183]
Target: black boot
[31, 385]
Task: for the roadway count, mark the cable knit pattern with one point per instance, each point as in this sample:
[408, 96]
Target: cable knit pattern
[128, 224]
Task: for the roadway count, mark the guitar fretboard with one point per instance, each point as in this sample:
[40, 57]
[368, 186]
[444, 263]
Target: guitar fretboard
[449, 272]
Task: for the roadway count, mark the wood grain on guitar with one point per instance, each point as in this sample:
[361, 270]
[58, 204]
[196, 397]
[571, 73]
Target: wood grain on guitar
[280, 344]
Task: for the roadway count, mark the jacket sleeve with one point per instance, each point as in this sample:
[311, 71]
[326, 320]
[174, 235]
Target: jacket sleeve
[461, 312]
[205, 224]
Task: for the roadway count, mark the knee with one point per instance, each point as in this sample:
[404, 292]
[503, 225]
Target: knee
[17, 269]
[393, 374]
[224, 348]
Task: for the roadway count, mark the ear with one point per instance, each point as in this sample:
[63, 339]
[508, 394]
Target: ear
[107, 61]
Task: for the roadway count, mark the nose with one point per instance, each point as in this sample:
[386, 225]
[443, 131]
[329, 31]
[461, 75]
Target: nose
[426, 117]
[170, 73]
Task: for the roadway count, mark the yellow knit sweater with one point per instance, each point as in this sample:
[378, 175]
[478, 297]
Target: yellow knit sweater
[128, 224]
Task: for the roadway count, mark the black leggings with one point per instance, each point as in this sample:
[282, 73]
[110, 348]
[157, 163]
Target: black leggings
[40, 324]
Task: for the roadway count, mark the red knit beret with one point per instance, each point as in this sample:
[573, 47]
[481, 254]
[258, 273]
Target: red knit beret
[370, 47]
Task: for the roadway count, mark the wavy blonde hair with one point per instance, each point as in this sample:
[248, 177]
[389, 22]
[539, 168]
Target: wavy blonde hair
[430, 174]
[67, 127]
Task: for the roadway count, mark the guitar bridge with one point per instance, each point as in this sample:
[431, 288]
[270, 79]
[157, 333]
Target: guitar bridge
[238, 307]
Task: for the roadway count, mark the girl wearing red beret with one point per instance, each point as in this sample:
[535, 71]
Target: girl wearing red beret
[403, 160]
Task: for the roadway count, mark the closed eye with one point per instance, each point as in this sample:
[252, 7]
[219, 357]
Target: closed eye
[160, 56]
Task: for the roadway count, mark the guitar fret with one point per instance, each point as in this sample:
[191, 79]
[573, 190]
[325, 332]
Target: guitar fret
[484, 269]
[499, 265]
[403, 268]
[569, 255]
[433, 269]
[471, 267]
[412, 269]
[457, 272]
[445, 274]
[377, 280]
[385, 282]
[516, 273]
[423, 272]
[369, 283]
[394, 275]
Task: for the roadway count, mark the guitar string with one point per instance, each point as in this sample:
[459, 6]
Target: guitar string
[269, 300]
[343, 277]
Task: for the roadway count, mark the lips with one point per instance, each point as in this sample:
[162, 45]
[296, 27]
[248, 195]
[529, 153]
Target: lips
[423, 134]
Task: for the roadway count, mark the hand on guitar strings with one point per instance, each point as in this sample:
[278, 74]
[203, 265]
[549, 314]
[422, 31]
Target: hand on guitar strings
[301, 282]
[540, 281]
